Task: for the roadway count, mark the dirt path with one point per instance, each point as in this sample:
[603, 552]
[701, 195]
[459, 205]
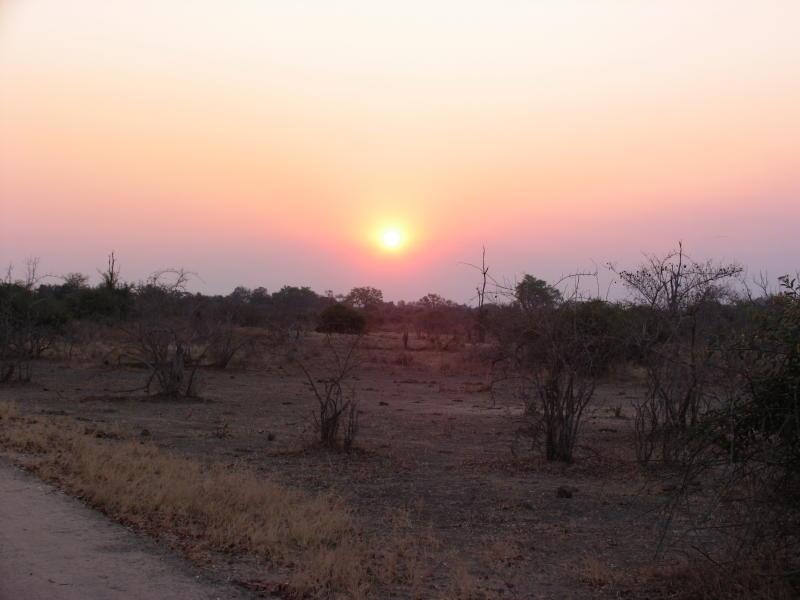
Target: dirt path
[52, 547]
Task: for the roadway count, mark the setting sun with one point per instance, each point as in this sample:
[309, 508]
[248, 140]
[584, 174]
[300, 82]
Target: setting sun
[392, 239]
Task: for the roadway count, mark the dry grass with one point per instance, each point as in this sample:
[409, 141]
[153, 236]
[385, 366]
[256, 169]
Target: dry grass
[698, 580]
[597, 573]
[502, 551]
[231, 511]
[335, 570]
[463, 585]
[8, 411]
[761, 579]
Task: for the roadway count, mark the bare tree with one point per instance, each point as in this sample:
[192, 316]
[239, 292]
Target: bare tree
[110, 277]
[679, 294]
[480, 297]
[32, 277]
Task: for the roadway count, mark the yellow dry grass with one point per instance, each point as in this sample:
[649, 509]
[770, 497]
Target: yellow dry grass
[463, 585]
[227, 510]
[597, 573]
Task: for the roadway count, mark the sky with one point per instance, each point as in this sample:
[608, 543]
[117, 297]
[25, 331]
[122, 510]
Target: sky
[267, 143]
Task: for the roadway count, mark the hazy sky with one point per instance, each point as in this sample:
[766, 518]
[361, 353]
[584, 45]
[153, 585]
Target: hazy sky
[263, 143]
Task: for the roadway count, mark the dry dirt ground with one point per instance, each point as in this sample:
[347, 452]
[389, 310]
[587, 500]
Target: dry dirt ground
[435, 452]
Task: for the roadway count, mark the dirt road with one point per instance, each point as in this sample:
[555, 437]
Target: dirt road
[54, 548]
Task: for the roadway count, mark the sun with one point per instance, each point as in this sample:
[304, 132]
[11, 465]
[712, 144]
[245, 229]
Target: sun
[392, 239]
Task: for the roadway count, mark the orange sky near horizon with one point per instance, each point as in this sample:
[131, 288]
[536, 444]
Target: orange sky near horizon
[263, 143]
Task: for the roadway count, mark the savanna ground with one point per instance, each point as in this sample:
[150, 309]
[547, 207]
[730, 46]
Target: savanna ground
[440, 474]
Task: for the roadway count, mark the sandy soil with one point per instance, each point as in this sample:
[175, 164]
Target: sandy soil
[435, 450]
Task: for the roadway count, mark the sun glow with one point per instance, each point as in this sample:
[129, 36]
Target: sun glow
[392, 239]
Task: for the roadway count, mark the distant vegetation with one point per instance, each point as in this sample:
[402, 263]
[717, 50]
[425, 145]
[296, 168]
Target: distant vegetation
[170, 329]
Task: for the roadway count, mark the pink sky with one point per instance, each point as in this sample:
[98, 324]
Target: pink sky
[260, 144]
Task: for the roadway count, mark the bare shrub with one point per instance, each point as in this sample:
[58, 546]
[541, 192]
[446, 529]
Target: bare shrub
[168, 342]
[572, 354]
[225, 340]
[336, 406]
